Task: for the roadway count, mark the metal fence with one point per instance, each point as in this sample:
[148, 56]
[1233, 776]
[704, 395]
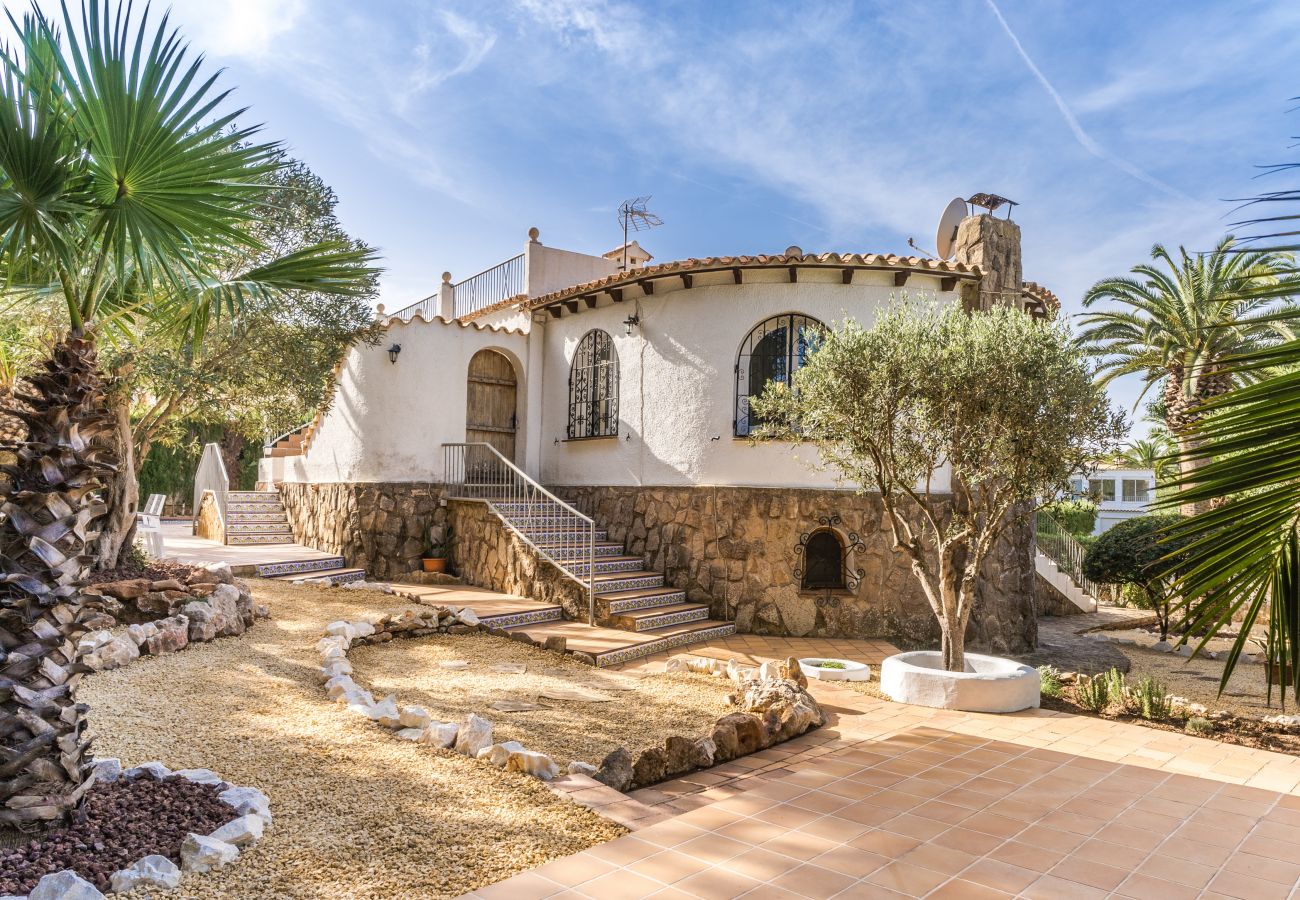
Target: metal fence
[1062, 548]
[555, 530]
[501, 282]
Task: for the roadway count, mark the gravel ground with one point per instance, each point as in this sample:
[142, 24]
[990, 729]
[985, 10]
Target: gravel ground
[1198, 681]
[358, 813]
[641, 712]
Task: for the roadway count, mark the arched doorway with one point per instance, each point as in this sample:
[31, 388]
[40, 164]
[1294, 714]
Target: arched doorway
[490, 411]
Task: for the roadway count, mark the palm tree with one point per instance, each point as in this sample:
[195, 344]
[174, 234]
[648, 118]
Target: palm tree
[1154, 452]
[121, 182]
[1178, 319]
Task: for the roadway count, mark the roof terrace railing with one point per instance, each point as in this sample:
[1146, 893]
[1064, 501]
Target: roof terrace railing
[501, 282]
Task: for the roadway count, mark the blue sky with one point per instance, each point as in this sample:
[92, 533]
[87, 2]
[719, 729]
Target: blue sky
[449, 128]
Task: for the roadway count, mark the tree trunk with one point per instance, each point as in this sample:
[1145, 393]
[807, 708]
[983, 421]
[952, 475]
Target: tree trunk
[232, 444]
[951, 626]
[123, 489]
[1182, 413]
[51, 520]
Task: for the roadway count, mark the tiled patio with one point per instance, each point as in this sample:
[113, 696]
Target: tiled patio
[897, 801]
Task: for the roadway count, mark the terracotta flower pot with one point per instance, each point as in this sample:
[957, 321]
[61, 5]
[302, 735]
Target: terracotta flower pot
[435, 565]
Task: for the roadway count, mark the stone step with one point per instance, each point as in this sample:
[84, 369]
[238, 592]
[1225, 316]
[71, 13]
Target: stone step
[549, 535]
[641, 598]
[253, 495]
[608, 565]
[628, 581]
[660, 616]
[244, 540]
[296, 566]
[258, 528]
[569, 551]
[670, 637]
[254, 506]
[529, 617]
[273, 516]
[335, 576]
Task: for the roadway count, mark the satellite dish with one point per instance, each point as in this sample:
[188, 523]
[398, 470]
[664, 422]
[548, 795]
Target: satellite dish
[946, 237]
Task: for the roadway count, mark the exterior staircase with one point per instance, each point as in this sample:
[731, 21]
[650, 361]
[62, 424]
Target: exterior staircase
[331, 570]
[1058, 559]
[624, 597]
[256, 517]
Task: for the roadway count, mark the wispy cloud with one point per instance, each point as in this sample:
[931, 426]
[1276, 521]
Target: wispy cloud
[428, 69]
[1085, 140]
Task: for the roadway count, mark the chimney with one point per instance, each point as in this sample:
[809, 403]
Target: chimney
[993, 244]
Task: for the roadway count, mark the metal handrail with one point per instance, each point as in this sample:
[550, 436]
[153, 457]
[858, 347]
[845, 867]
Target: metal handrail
[492, 285]
[271, 442]
[1062, 548]
[211, 476]
[478, 471]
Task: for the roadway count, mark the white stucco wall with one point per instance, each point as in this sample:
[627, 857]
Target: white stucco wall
[549, 269]
[677, 382]
[388, 421]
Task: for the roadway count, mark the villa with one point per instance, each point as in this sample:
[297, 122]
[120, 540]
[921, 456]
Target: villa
[623, 386]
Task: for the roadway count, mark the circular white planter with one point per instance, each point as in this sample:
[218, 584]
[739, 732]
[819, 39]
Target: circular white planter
[989, 684]
[852, 671]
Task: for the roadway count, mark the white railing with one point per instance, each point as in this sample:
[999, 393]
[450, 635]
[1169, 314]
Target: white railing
[1060, 547]
[211, 476]
[558, 533]
[501, 282]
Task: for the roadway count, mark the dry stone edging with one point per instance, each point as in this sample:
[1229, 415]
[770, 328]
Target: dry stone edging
[199, 853]
[772, 700]
[214, 604]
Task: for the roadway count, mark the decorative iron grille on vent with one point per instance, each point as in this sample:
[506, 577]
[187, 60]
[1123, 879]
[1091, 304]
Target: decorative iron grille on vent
[593, 387]
[771, 352]
[822, 557]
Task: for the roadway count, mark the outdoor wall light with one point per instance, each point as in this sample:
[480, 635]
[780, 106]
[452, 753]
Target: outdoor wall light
[631, 322]
[393, 351]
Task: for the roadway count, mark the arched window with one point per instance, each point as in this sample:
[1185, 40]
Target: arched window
[823, 564]
[593, 387]
[771, 352]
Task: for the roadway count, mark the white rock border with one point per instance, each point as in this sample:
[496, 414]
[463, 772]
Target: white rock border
[472, 738]
[990, 684]
[199, 853]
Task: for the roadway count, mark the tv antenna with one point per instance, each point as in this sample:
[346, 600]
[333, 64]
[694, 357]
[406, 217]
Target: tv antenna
[633, 216]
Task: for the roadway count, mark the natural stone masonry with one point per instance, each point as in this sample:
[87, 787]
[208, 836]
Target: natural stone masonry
[734, 548]
[381, 527]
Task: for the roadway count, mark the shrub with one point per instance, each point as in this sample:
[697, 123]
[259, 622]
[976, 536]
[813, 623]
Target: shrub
[1150, 699]
[1078, 517]
[1199, 726]
[830, 664]
[1117, 685]
[1141, 552]
[1093, 694]
[1049, 678]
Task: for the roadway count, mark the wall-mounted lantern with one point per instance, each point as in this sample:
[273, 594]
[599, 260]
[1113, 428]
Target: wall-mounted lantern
[631, 322]
[393, 351]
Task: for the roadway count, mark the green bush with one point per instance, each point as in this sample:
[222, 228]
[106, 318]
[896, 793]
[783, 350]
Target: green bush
[1093, 694]
[1078, 517]
[1141, 552]
[1150, 699]
[1199, 726]
[1049, 678]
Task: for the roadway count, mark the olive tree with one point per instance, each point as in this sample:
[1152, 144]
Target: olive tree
[958, 421]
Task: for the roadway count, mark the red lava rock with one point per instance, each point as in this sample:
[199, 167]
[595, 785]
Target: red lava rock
[120, 823]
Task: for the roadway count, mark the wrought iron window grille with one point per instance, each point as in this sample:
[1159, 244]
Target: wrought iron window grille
[772, 351]
[593, 388]
[822, 558]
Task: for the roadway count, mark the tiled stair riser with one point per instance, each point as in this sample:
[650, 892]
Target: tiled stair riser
[632, 604]
[240, 507]
[609, 567]
[246, 539]
[268, 570]
[550, 536]
[647, 623]
[258, 528]
[274, 516]
[636, 651]
[614, 585]
[359, 575]
[531, 617]
[572, 552]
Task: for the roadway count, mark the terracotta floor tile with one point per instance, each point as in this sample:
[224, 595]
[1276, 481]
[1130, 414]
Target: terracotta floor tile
[1287, 873]
[1093, 874]
[624, 850]
[851, 861]
[574, 870]
[1109, 854]
[1206, 835]
[1261, 846]
[789, 816]
[814, 881]
[526, 886]
[833, 828]
[994, 824]
[1194, 851]
[1026, 856]
[967, 841]
[799, 845]
[760, 864]
[1144, 887]
[668, 866]
[866, 814]
[1000, 876]
[751, 831]
[1244, 887]
[942, 812]
[716, 883]
[865, 890]
[907, 879]
[765, 892]
[915, 826]
[1178, 871]
[960, 889]
[1049, 887]
[886, 843]
[940, 859]
[713, 848]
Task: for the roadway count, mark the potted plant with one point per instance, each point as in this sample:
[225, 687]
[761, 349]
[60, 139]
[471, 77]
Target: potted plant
[435, 551]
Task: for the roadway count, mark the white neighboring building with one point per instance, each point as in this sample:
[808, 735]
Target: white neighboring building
[1119, 493]
[627, 392]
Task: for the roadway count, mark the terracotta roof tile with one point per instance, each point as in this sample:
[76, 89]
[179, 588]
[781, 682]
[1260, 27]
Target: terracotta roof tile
[680, 266]
[1036, 291]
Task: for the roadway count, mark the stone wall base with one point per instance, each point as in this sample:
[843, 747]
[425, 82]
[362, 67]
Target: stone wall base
[381, 526]
[735, 548]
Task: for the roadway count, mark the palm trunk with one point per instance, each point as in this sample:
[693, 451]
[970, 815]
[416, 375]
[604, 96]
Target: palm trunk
[123, 488]
[51, 520]
[1182, 413]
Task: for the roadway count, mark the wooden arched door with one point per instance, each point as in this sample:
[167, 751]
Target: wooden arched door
[490, 408]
